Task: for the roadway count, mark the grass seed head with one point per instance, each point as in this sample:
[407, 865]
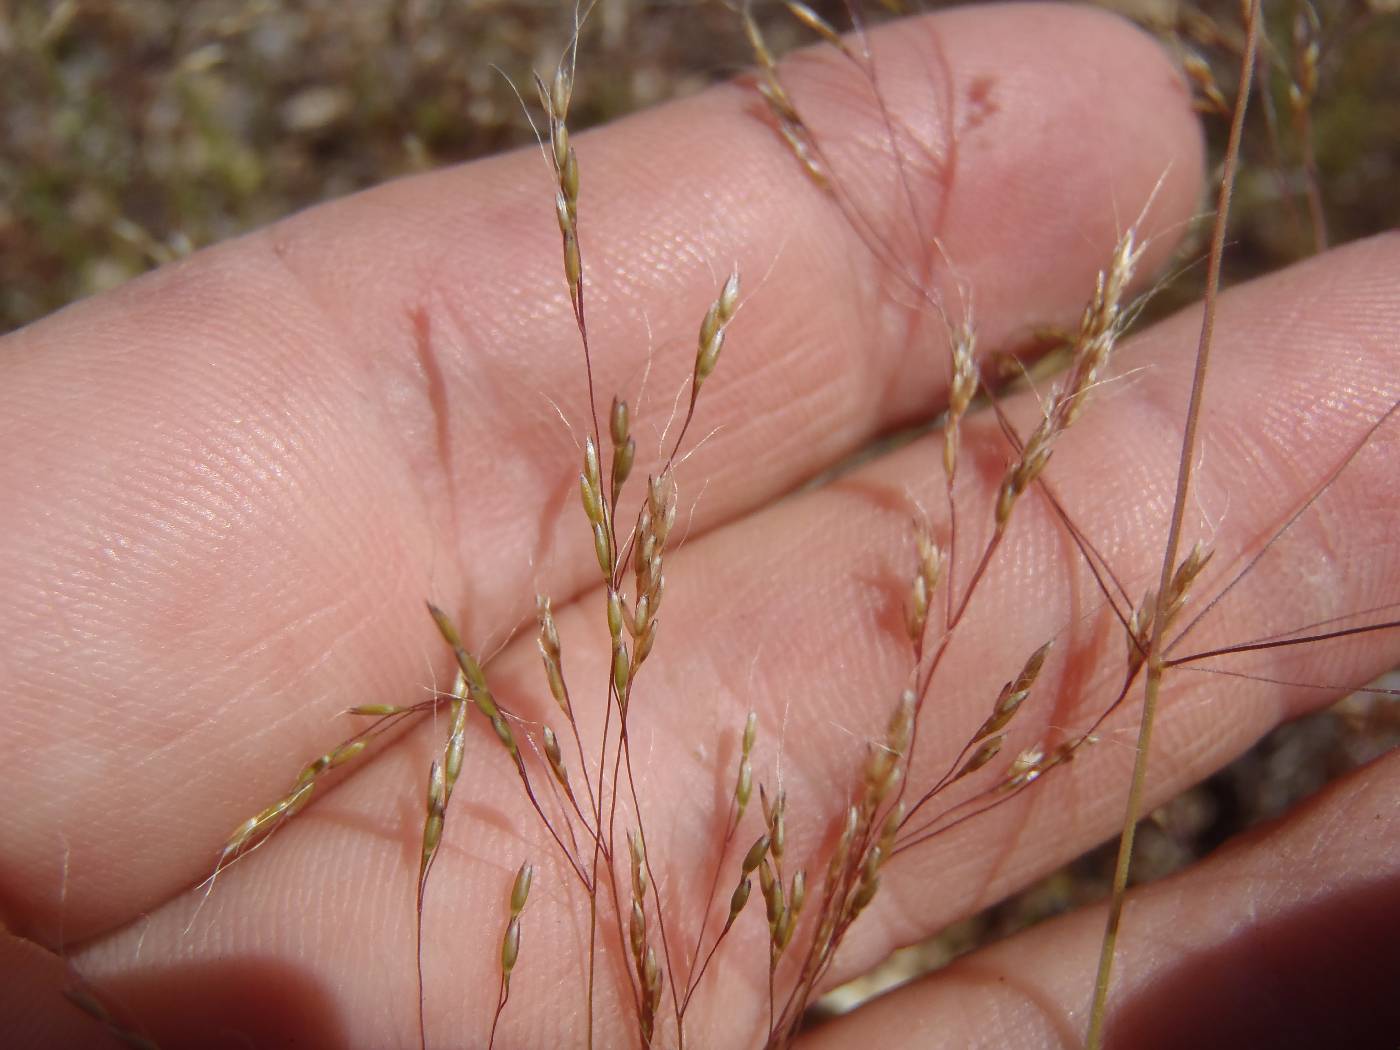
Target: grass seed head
[510, 947]
[568, 178]
[782, 931]
[559, 142]
[1198, 71]
[549, 635]
[756, 853]
[573, 261]
[985, 752]
[637, 931]
[713, 327]
[1186, 573]
[738, 899]
[890, 785]
[728, 300]
[651, 978]
[376, 710]
[436, 810]
[901, 727]
[591, 469]
[773, 895]
[623, 458]
[644, 644]
[602, 548]
[592, 500]
[865, 893]
[504, 734]
[1140, 631]
[762, 53]
[640, 621]
[556, 760]
[743, 786]
[1024, 768]
[816, 23]
[560, 93]
[639, 865]
[615, 615]
[777, 827]
[916, 609]
[619, 422]
[1013, 694]
[520, 888]
[555, 677]
[621, 670]
[798, 894]
[475, 678]
[456, 746]
[890, 828]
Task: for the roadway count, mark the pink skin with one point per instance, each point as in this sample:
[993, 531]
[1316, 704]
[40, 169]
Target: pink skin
[235, 482]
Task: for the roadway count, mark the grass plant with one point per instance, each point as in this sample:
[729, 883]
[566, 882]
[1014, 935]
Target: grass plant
[580, 745]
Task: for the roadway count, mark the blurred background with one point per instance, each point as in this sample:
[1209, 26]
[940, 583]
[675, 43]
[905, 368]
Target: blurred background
[135, 131]
[132, 131]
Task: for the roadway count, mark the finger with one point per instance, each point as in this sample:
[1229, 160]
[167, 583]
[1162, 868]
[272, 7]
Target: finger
[1285, 939]
[817, 576]
[33, 1010]
[234, 482]
[1305, 365]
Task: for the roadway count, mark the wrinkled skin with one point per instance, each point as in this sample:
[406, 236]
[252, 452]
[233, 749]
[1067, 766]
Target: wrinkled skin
[230, 486]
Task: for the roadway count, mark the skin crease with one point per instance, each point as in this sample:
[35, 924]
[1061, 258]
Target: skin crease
[233, 483]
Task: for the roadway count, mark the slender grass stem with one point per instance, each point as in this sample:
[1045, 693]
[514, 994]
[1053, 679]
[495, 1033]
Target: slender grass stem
[1155, 666]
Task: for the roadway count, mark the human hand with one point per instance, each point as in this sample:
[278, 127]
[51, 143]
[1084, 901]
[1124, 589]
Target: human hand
[231, 485]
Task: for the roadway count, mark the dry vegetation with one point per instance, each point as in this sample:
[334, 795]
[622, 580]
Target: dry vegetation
[144, 131]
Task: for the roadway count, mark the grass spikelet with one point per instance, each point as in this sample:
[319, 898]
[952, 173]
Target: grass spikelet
[555, 102]
[790, 124]
[551, 656]
[755, 854]
[1013, 695]
[817, 24]
[737, 900]
[1302, 91]
[637, 850]
[743, 783]
[1100, 327]
[869, 884]
[376, 710]
[1141, 623]
[985, 752]
[475, 678]
[510, 941]
[555, 758]
[713, 328]
[624, 445]
[962, 388]
[776, 817]
[651, 993]
[1180, 588]
[456, 736]
[254, 831]
[432, 824]
[1210, 99]
[639, 939]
